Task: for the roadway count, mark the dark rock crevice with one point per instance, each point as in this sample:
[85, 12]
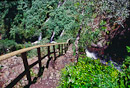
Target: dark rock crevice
[118, 39]
[117, 47]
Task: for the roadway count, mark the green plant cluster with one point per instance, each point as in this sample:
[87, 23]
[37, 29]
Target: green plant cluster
[24, 20]
[75, 13]
[125, 75]
[114, 10]
[7, 44]
[33, 53]
[90, 73]
[63, 18]
[21, 22]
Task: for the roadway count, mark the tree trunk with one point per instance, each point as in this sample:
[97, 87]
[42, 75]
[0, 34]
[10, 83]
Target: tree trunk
[76, 44]
[52, 37]
[62, 33]
[77, 38]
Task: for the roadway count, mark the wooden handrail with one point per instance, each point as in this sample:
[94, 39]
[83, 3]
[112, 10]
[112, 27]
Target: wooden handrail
[3, 57]
[27, 67]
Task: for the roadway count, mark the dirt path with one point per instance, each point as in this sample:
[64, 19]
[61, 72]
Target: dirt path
[51, 75]
[50, 78]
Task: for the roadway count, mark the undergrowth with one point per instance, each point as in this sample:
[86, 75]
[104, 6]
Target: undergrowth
[90, 73]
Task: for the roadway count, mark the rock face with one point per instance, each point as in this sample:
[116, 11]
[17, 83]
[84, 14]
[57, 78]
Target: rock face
[112, 42]
[13, 66]
[119, 39]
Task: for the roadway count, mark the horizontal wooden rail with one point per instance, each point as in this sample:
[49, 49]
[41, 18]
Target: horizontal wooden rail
[3, 57]
[62, 47]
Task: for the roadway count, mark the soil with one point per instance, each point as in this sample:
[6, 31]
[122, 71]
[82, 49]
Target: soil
[50, 77]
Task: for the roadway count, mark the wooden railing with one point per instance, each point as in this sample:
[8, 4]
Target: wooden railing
[62, 47]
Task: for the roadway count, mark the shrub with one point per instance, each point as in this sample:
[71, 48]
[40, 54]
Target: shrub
[7, 46]
[125, 75]
[89, 73]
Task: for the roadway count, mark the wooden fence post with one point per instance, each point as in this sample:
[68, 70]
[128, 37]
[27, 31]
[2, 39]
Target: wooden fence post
[39, 57]
[54, 52]
[69, 42]
[62, 48]
[65, 48]
[67, 45]
[49, 58]
[26, 66]
[59, 49]
[48, 49]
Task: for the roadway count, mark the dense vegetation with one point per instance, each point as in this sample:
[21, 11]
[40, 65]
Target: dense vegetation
[91, 73]
[23, 21]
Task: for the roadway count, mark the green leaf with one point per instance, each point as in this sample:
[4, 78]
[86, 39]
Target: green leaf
[102, 22]
[128, 48]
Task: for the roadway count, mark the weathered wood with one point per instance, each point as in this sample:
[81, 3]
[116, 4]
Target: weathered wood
[68, 40]
[59, 48]
[39, 57]
[65, 47]
[62, 48]
[54, 53]
[6, 56]
[49, 58]
[48, 49]
[26, 66]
